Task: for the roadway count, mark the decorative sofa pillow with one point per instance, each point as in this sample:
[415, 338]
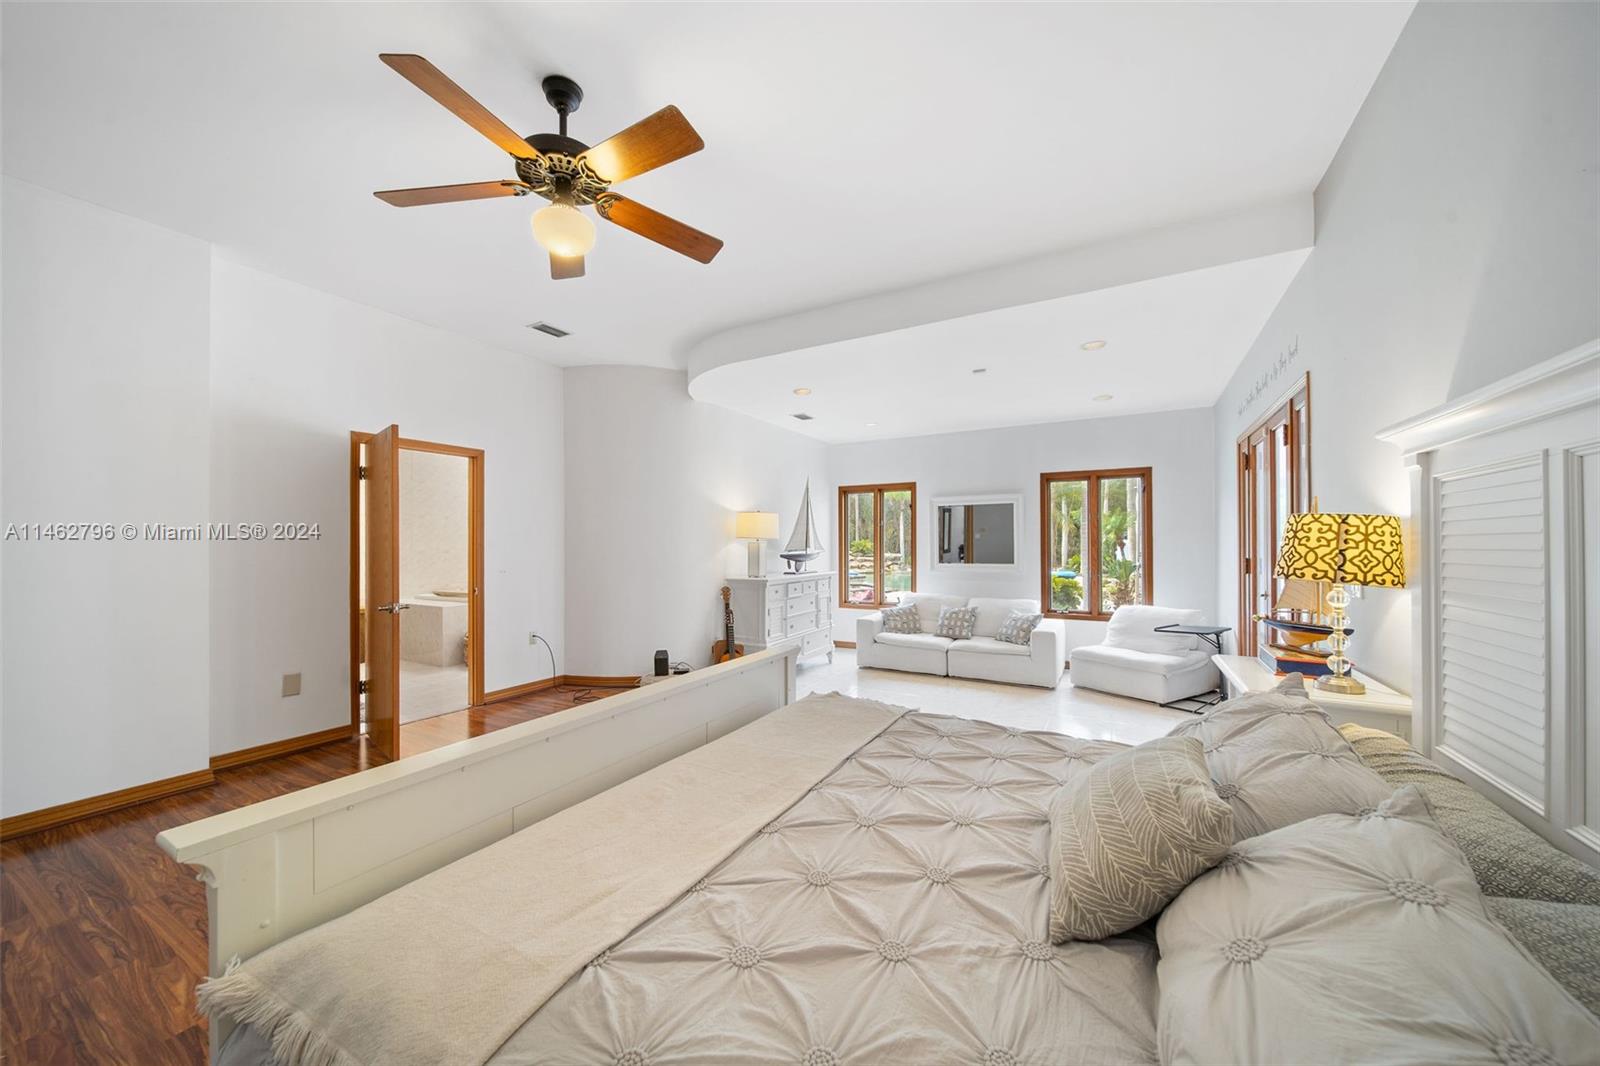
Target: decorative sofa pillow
[902, 619]
[1277, 759]
[956, 622]
[1129, 834]
[1018, 627]
[1354, 939]
[1507, 858]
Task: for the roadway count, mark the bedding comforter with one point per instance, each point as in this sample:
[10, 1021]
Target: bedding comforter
[897, 912]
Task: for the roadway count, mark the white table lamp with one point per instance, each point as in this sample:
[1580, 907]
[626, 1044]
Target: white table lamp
[756, 526]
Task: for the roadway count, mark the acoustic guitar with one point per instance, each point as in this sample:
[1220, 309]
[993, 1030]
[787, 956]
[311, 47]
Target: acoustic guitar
[726, 649]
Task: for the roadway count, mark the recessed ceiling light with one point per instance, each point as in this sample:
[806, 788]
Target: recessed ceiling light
[1092, 346]
[1102, 398]
[802, 391]
[980, 370]
[872, 425]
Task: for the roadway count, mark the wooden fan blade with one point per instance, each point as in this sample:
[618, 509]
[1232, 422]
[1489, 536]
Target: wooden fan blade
[444, 194]
[566, 266]
[431, 80]
[645, 145]
[653, 225]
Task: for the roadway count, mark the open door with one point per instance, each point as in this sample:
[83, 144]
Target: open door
[382, 550]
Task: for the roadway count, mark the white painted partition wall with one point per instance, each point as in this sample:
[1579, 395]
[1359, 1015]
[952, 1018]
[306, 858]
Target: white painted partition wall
[1505, 489]
[279, 867]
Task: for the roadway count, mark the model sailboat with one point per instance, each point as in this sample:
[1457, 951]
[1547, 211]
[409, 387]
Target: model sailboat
[804, 543]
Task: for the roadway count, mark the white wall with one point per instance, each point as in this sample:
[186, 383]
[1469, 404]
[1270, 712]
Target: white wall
[104, 386]
[1175, 445]
[294, 370]
[434, 522]
[654, 480]
[1455, 245]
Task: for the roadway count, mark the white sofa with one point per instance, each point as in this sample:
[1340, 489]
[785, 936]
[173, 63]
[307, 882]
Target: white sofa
[1136, 661]
[1039, 662]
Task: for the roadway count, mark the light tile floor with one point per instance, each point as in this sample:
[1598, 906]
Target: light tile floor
[1065, 709]
[429, 690]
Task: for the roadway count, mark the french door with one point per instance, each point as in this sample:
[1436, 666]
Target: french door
[1274, 465]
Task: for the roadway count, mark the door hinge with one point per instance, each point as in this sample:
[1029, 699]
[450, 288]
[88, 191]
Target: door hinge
[1246, 570]
[361, 473]
[364, 686]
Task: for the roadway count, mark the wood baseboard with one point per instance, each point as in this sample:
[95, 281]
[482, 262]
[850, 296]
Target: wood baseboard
[287, 746]
[527, 689]
[50, 817]
[844, 644]
[592, 681]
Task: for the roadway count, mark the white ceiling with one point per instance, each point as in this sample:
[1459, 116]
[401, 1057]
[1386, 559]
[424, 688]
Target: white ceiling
[851, 149]
[920, 380]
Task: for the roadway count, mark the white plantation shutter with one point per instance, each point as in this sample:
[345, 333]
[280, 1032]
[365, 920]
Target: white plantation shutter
[1493, 661]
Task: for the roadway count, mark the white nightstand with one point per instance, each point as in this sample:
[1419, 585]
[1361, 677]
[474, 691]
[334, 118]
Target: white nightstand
[1380, 707]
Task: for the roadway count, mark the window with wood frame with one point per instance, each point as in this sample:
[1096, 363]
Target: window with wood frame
[1095, 541]
[1273, 458]
[877, 543]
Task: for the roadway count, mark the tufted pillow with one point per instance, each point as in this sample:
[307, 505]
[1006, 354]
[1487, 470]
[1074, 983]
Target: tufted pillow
[902, 619]
[956, 622]
[1128, 835]
[1018, 627]
[1277, 759]
[1564, 937]
[1355, 939]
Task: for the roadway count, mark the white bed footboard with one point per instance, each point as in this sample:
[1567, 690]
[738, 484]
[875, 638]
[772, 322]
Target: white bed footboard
[276, 868]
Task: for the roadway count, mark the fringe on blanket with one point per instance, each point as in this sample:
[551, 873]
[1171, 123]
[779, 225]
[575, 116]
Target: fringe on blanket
[295, 1041]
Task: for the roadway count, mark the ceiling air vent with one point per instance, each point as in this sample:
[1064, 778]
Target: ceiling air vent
[547, 329]
[802, 416]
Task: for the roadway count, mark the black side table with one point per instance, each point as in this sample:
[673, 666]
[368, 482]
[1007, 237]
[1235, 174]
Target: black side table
[1213, 635]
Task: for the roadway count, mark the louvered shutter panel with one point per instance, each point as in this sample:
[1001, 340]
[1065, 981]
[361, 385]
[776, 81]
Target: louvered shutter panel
[1493, 666]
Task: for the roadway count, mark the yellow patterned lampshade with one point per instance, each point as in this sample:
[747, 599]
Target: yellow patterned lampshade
[1347, 549]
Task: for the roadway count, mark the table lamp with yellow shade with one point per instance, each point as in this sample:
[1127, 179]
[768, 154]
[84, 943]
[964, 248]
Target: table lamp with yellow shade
[1342, 549]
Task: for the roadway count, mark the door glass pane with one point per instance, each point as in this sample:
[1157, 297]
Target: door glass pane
[861, 547]
[1122, 578]
[1067, 522]
[1282, 502]
[897, 544]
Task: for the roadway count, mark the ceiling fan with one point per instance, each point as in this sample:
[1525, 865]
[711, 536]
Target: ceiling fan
[565, 171]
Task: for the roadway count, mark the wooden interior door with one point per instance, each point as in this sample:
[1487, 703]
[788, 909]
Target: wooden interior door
[382, 551]
[1274, 461]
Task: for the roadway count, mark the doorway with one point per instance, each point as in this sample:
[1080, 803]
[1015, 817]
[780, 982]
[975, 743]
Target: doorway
[416, 582]
[1274, 466]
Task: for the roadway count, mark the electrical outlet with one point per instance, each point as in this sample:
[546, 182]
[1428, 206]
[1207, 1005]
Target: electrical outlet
[533, 638]
[291, 684]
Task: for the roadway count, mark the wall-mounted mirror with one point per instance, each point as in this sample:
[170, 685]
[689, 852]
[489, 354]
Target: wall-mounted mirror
[977, 532]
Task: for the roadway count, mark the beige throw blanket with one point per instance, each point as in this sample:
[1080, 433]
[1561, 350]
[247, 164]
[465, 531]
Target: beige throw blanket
[446, 968]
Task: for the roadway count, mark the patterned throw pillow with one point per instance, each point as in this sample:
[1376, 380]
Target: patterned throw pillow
[957, 622]
[1126, 837]
[902, 619]
[1018, 627]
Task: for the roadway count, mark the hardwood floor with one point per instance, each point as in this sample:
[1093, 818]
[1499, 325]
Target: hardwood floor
[103, 938]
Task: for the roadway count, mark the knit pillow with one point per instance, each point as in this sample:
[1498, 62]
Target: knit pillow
[1126, 837]
[1018, 627]
[902, 619]
[956, 622]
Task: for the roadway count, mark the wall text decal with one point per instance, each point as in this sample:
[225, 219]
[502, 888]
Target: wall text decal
[1269, 376]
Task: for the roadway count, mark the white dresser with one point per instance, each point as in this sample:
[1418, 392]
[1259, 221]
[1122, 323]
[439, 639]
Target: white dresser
[784, 609]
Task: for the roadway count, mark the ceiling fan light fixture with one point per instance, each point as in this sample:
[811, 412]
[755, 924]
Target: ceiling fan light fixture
[563, 230]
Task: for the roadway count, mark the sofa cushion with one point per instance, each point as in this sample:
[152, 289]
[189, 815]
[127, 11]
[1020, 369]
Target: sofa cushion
[1143, 662]
[990, 646]
[1018, 627]
[993, 613]
[906, 618]
[1508, 858]
[956, 622]
[923, 641]
[929, 605]
[1133, 626]
[1128, 835]
[1354, 939]
[1277, 759]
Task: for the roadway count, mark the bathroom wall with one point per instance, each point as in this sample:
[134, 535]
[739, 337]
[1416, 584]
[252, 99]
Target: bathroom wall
[433, 522]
